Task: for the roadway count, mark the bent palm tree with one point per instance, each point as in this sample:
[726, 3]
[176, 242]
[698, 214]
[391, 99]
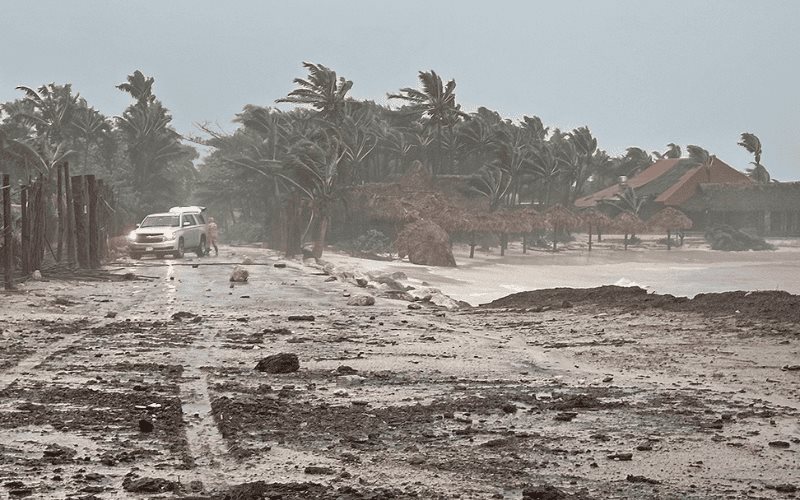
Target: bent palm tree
[703, 157]
[436, 102]
[753, 145]
[323, 91]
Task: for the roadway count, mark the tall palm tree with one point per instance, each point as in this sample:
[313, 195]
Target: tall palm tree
[322, 90]
[752, 144]
[436, 104]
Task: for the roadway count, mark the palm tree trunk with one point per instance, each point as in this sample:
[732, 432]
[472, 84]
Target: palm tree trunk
[319, 240]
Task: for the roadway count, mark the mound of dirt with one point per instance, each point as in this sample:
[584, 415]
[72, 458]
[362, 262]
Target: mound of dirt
[426, 244]
[766, 305]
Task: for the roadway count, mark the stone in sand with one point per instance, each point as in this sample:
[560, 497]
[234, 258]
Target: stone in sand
[279, 363]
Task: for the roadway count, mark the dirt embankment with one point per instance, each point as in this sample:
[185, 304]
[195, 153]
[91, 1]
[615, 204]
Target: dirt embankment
[766, 305]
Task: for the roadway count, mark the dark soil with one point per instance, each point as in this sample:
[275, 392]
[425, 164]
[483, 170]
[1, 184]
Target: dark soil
[766, 305]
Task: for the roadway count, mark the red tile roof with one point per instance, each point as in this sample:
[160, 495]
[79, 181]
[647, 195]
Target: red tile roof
[677, 181]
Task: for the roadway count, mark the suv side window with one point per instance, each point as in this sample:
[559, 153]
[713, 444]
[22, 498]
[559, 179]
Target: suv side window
[190, 219]
[200, 218]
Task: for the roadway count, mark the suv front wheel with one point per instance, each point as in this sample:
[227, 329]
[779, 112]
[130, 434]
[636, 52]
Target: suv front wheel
[178, 254]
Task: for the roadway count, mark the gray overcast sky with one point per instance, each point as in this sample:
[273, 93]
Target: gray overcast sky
[638, 73]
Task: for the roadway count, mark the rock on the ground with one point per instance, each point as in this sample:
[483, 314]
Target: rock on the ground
[361, 300]
[150, 485]
[145, 425]
[279, 363]
[239, 275]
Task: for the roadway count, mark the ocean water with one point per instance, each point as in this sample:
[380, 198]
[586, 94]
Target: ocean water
[683, 272]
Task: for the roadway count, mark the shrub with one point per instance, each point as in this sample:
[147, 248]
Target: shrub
[729, 239]
[372, 242]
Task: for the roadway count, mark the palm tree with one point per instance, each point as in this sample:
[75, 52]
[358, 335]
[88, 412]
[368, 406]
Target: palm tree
[673, 151]
[139, 87]
[753, 145]
[703, 157]
[436, 103]
[323, 91]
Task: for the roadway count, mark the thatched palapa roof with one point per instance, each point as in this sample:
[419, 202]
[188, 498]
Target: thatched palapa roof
[558, 215]
[629, 223]
[670, 218]
[595, 218]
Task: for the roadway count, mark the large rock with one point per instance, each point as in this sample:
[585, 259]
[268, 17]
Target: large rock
[279, 363]
[425, 243]
[361, 300]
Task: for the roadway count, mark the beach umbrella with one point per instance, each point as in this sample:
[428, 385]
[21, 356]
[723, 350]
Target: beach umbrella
[560, 217]
[597, 219]
[668, 219]
[629, 223]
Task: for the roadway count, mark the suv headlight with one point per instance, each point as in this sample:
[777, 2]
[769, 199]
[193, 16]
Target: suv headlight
[169, 236]
[132, 236]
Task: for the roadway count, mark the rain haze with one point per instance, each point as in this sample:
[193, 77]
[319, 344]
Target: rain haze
[636, 73]
[415, 250]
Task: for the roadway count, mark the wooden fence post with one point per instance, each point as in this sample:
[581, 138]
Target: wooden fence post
[25, 236]
[70, 223]
[93, 233]
[78, 208]
[8, 235]
[60, 210]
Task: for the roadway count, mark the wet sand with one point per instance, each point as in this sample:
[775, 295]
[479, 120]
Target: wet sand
[575, 399]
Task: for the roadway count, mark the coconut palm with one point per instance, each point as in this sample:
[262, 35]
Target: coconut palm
[436, 104]
[322, 90]
[703, 157]
[753, 146]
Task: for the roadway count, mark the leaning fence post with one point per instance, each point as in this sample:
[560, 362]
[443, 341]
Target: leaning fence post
[8, 237]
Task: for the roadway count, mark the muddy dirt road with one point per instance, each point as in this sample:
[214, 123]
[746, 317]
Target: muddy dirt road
[148, 389]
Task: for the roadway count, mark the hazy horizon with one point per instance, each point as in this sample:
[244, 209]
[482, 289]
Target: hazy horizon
[638, 74]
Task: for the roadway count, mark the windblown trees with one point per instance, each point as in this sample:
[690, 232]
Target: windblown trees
[138, 153]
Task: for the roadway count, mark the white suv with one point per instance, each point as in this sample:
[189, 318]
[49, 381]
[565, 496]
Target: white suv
[173, 232]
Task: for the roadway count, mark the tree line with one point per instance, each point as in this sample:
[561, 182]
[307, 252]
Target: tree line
[280, 175]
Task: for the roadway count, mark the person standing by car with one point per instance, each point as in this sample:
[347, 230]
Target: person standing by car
[213, 234]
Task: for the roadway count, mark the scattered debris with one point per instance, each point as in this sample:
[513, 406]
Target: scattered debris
[150, 485]
[622, 457]
[301, 317]
[641, 479]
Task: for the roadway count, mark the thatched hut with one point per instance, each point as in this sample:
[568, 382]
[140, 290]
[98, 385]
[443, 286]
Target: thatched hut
[559, 218]
[425, 243]
[668, 219]
[596, 219]
[629, 223]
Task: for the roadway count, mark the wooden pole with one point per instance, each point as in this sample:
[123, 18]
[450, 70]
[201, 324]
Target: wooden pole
[8, 236]
[93, 231]
[669, 240]
[25, 237]
[81, 233]
[590, 237]
[70, 216]
[102, 221]
[60, 211]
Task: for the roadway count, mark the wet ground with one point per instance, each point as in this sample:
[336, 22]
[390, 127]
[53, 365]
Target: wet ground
[148, 389]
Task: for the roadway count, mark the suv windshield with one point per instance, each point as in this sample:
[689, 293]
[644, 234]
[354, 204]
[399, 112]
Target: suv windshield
[161, 221]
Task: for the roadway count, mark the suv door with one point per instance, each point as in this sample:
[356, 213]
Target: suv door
[191, 233]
